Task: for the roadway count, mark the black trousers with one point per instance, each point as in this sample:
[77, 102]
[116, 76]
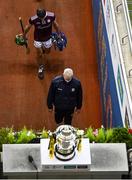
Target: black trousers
[65, 115]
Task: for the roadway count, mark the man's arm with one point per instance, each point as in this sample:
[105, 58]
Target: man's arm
[56, 26]
[27, 28]
[79, 97]
[50, 98]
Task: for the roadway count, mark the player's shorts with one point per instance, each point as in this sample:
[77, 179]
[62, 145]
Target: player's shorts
[45, 44]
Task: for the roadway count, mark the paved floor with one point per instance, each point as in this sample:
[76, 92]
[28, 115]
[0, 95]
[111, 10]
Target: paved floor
[22, 94]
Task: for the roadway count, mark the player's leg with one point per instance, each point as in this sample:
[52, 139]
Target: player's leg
[47, 46]
[39, 46]
[47, 50]
[41, 69]
[41, 72]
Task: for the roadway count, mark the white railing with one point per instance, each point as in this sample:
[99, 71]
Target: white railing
[127, 89]
[128, 22]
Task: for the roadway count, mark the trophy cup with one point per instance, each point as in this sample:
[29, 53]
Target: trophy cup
[66, 139]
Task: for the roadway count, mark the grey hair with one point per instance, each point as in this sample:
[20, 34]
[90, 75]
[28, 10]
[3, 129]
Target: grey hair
[68, 72]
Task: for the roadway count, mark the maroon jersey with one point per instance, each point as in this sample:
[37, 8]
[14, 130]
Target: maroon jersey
[43, 28]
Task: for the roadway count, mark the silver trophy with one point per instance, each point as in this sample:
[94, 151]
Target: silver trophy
[67, 139]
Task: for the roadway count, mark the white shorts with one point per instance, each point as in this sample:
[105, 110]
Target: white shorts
[45, 44]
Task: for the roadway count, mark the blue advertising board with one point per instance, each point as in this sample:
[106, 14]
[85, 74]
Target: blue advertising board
[110, 102]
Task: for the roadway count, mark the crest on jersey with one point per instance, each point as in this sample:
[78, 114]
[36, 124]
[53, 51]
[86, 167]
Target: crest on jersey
[73, 89]
[48, 20]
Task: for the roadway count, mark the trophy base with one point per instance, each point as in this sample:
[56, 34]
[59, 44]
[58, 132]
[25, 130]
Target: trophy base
[64, 157]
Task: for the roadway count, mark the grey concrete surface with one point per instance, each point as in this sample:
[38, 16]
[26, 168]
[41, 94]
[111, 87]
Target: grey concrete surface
[107, 161]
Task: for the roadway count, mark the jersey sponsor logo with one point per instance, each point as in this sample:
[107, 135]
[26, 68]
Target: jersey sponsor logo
[43, 21]
[43, 27]
[38, 23]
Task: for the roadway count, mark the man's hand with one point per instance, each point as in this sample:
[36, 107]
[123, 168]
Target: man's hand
[77, 111]
[50, 110]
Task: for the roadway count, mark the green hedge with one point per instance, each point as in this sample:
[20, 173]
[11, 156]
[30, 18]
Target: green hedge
[115, 135]
[101, 135]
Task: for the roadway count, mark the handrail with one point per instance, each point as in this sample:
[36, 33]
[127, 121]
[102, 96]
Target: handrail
[128, 22]
[121, 60]
[117, 7]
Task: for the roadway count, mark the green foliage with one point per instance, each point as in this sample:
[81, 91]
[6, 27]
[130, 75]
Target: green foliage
[89, 134]
[25, 136]
[115, 135]
[44, 133]
[101, 135]
[11, 137]
[100, 138]
[6, 136]
[121, 135]
[108, 135]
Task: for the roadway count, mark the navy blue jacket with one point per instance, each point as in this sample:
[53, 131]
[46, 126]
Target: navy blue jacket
[65, 95]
